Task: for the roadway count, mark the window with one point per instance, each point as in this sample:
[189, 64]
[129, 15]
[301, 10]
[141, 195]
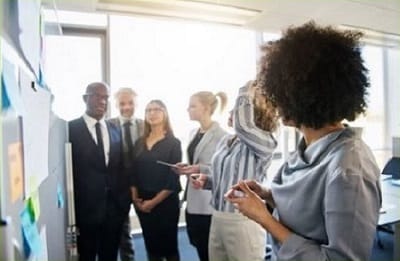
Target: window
[72, 61]
[373, 120]
[74, 49]
[170, 60]
[167, 59]
[288, 137]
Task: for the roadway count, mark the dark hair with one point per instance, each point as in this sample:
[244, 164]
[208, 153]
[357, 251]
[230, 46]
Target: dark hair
[265, 114]
[315, 75]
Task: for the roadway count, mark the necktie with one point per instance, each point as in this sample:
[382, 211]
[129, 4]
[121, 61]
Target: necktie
[128, 139]
[100, 144]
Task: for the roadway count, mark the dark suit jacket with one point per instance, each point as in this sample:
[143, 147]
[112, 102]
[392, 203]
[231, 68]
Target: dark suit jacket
[101, 192]
[139, 125]
[139, 133]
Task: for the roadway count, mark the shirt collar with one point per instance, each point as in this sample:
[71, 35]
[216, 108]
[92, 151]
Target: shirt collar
[122, 120]
[90, 121]
[309, 155]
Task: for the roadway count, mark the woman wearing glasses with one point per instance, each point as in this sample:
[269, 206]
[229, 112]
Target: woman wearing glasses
[155, 186]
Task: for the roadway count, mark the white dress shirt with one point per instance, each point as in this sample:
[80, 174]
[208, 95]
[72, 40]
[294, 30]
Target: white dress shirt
[91, 125]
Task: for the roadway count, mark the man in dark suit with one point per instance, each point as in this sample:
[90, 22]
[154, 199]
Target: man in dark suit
[101, 188]
[131, 129]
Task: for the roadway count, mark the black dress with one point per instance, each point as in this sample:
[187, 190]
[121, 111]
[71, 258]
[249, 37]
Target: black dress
[160, 226]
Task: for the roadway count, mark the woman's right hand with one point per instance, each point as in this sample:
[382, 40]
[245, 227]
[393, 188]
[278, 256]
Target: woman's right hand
[253, 185]
[256, 188]
[198, 180]
[185, 169]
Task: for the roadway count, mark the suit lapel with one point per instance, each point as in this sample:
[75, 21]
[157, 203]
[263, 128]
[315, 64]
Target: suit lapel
[86, 132]
[91, 145]
[113, 141]
[139, 127]
[202, 144]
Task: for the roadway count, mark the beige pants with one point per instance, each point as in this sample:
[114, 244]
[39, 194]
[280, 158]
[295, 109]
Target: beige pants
[234, 237]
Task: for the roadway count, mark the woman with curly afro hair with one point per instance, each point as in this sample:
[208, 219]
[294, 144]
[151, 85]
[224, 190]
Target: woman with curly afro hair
[327, 195]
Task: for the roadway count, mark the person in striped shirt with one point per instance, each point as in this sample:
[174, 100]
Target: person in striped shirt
[244, 155]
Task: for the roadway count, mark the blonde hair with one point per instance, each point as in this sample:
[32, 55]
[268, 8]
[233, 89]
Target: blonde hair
[207, 98]
[125, 90]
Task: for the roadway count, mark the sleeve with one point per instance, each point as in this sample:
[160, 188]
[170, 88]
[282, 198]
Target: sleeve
[219, 135]
[261, 142]
[351, 211]
[209, 183]
[205, 168]
[220, 146]
[174, 157]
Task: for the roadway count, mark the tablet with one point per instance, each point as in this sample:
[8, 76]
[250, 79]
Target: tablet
[165, 163]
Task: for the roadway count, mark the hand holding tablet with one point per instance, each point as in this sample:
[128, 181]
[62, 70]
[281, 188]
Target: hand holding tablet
[166, 163]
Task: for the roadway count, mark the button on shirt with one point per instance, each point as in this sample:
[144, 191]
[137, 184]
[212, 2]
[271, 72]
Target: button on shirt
[91, 125]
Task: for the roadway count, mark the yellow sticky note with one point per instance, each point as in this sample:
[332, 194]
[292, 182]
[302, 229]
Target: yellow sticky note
[15, 167]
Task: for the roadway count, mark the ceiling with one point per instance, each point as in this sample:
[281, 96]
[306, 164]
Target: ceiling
[377, 15]
[261, 15]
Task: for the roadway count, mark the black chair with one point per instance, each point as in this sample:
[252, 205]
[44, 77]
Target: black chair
[392, 167]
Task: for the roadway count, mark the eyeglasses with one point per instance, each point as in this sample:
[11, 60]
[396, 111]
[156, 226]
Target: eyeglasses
[148, 110]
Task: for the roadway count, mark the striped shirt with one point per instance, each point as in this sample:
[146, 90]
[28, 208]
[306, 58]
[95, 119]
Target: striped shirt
[245, 155]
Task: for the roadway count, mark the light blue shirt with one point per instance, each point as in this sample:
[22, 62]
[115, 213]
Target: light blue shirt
[247, 157]
[328, 194]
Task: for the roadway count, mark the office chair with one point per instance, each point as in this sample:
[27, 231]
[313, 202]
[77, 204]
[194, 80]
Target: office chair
[392, 167]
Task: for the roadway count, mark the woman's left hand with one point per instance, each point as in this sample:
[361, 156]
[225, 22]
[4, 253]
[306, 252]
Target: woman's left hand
[249, 203]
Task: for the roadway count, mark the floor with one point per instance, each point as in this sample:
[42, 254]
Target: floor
[188, 253]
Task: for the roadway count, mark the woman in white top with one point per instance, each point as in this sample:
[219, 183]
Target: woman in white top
[202, 145]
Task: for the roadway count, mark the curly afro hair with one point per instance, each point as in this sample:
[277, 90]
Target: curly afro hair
[315, 75]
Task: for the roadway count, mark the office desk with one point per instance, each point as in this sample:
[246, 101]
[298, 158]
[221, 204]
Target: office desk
[391, 216]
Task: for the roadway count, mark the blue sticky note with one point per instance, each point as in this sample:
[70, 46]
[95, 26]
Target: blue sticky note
[10, 83]
[30, 234]
[5, 101]
[60, 197]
